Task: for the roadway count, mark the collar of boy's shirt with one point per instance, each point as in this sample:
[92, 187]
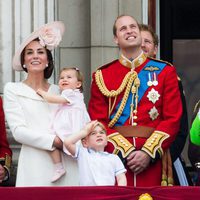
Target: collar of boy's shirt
[90, 150]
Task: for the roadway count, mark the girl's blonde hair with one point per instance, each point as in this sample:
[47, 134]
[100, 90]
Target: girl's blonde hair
[79, 75]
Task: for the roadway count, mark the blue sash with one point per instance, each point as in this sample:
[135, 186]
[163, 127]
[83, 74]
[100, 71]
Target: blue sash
[143, 75]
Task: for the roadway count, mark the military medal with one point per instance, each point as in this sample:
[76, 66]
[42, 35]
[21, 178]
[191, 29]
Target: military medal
[152, 76]
[149, 82]
[155, 82]
[153, 95]
[153, 113]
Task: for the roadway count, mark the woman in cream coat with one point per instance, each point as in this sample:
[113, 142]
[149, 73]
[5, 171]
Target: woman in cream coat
[29, 116]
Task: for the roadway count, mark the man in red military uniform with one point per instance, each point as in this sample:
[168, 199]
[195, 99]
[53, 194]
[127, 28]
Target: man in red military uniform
[139, 100]
[5, 151]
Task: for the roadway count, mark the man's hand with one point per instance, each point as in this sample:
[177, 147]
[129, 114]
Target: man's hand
[138, 161]
[2, 173]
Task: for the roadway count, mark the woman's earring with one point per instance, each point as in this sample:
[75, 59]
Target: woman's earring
[47, 65]
[24, 66]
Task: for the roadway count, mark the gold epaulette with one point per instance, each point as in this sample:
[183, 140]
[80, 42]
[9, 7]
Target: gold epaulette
[121, 144]
[154, 142]
[163, 61]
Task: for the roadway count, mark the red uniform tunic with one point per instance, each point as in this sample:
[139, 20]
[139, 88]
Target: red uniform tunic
[159, 107]
[5, 151]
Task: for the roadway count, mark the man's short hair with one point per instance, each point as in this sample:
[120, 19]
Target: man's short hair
[114, 25]
[145, 27]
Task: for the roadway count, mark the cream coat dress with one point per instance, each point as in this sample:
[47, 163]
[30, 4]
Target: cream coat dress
[28, 117]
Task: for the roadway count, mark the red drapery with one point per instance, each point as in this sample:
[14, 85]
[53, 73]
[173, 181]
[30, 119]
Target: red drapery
[98, 193]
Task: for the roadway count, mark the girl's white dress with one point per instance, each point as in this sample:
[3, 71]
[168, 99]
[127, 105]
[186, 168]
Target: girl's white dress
[70, 117]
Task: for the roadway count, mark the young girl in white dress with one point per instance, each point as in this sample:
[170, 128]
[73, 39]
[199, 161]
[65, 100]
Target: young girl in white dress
[71, 114]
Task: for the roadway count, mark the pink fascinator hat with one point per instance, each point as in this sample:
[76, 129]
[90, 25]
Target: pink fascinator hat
[49, 36]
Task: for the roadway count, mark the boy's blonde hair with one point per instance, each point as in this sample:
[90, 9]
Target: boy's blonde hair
[98, 124]
[101, 125]
[79, 75]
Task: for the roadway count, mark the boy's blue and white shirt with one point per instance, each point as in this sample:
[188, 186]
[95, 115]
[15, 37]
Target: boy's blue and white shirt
[97, 168]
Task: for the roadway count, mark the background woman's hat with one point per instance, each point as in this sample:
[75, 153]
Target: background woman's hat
[49, 35]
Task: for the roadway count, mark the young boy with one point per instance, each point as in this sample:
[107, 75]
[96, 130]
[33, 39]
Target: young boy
[96, 167]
